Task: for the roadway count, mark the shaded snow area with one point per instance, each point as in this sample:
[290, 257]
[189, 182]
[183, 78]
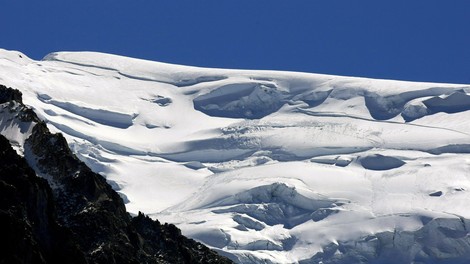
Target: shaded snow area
[264, 166]
[13, 129]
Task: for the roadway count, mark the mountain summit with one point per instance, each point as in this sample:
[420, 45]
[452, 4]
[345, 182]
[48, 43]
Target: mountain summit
[262, 166]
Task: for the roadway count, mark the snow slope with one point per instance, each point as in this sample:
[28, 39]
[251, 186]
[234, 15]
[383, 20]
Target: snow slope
[264, 166]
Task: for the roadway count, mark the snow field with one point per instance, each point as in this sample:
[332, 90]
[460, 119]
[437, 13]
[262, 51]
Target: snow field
[264, 166]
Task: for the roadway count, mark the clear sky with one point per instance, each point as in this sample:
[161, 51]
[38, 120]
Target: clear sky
[422, 40]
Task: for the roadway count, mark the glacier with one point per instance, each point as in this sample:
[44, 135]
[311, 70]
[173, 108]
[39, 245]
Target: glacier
[265, 166]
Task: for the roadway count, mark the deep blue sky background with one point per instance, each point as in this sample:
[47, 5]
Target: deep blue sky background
[422, 40]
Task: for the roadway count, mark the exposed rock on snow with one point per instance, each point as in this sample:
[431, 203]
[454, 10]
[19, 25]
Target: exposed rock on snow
[80, 220]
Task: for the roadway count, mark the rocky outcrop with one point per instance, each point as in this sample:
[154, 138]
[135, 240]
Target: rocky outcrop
[81, 219]
[14, 99]
[30, 230]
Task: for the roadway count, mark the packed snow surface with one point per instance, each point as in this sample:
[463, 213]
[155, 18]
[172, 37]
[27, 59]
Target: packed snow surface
[264, 166]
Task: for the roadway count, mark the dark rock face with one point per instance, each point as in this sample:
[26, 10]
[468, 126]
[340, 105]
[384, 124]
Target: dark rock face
[15, 103]
[9, 95]
[81, 219]
[30, 230]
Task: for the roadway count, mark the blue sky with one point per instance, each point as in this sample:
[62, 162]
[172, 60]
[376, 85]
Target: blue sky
[422, 40]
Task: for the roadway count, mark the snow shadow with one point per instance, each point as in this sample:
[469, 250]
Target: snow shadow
[100, 116]
[275, 204]
[379, 162]
[240, 100]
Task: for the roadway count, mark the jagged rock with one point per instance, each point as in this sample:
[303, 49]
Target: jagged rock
[14, 98]
[30, 232]
[10, 95]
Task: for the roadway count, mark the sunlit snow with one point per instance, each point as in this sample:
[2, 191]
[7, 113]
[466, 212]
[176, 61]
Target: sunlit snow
[262, 165]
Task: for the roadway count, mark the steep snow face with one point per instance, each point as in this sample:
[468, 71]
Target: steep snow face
[15, 130]
[265, 166]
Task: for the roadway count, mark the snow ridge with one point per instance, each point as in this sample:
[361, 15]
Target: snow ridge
[266, 166]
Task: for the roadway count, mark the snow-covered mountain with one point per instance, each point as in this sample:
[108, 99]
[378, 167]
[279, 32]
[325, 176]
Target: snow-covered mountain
[70, 214]
[265, 166]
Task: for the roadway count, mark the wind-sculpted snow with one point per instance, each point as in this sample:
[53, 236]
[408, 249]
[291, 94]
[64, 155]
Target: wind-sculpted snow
[100, 116]
[250, 100]
[384, 108]
[380, 162]
[454, 102]
[438, 241]
[453, 148]
[275, 204]
[265, 166]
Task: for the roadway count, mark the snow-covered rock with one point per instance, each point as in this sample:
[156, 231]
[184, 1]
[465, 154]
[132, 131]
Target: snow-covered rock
[266, 166]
